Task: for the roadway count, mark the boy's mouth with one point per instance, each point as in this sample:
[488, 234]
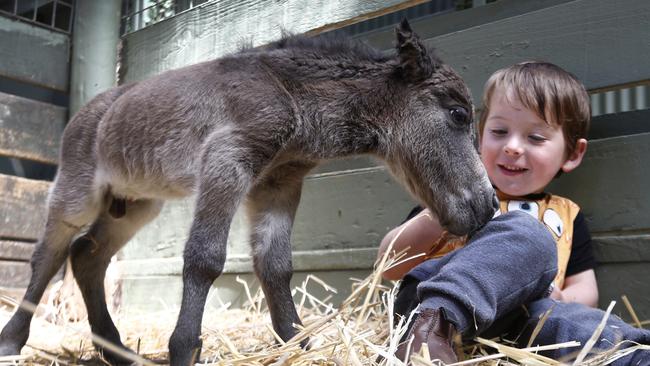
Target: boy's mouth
[511, 169]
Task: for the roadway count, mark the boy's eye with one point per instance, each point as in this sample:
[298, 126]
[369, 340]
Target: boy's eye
[537, 138]
[499, 131]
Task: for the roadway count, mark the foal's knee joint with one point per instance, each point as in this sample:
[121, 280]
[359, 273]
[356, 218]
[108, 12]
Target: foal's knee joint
[208, 266]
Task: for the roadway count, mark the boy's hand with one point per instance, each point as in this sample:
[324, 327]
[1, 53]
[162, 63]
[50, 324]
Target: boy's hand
[556, 294]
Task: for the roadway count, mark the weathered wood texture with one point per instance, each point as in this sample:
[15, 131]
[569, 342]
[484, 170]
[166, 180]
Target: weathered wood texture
[582, 36]
[611, 188]
[347, 207]
[620, 124]
[14, 274]
[217, 28]
[157, 293]
[22, 207]
[29, 129]
[94, 57]
[611, 185]
[16, 250]
[617, 248]
[341, 218]
[47, 51]
[629, 279]
[437, 25]
[14, 265]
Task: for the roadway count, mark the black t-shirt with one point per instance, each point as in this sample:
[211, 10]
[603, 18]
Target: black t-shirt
[582, 255]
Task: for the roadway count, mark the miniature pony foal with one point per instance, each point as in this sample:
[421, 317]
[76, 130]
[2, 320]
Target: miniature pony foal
[247, 128]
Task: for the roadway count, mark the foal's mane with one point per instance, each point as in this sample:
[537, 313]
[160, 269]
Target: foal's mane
[328, 46]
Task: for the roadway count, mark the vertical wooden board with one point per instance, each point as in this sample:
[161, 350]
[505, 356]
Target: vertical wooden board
[351, 209]
[22, 207]
[622, 247]
[221, 27]
[29, 129]
[165, 236]
[15, 250]
[14, 274]
[603, 42]
[34, 54]
[630, 279]
[95, 41]
[611, 185]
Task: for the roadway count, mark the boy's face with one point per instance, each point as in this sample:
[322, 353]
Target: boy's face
[521, 152]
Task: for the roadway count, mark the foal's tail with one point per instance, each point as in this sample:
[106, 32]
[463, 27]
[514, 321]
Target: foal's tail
[74, 191]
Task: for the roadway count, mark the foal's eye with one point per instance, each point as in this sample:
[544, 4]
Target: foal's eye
[459, 115]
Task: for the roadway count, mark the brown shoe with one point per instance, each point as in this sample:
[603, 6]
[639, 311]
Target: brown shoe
[430, 327]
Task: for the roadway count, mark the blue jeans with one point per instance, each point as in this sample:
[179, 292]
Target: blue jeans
[509, 263]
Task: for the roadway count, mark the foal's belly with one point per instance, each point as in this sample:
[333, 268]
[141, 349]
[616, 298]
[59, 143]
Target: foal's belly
[143, 162]
[149, 190]
[148, 178]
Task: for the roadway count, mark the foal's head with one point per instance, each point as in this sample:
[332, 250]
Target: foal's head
[430, 146]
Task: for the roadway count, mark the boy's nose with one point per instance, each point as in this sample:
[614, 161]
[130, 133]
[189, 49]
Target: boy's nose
[513, 147]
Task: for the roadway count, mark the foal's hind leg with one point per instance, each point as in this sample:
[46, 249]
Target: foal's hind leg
[67, 213]
[271, 207]
[91, 255]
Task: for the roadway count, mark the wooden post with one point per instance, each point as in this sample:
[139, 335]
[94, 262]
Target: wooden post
[95, 36]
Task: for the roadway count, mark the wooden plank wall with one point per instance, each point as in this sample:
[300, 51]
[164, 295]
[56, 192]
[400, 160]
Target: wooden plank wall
[215, 29]
[611, 188]
[47, 51]
[22, 219]
[582, 37]
[28, 130]
[579, 35]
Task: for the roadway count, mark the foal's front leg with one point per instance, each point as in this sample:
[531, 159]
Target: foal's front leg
[271, 206]
[222, 185]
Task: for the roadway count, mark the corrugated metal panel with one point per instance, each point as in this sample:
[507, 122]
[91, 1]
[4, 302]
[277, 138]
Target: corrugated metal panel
[620, 100]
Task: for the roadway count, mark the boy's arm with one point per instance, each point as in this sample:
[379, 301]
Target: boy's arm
[419, 234]
[580, 287]
[580, 283]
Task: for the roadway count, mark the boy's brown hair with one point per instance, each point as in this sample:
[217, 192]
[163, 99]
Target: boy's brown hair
[553, 93]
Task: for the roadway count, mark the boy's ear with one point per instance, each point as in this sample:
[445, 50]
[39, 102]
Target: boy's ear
[575, 159]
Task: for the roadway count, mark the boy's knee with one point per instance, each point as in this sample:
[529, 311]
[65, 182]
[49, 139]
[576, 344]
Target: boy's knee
[531, 235]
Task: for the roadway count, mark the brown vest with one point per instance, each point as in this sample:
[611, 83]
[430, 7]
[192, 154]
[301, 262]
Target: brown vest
[555, 212]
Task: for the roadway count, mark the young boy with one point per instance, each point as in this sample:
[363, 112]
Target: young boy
[533, 127]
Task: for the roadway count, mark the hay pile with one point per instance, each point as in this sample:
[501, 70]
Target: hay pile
[356, 333]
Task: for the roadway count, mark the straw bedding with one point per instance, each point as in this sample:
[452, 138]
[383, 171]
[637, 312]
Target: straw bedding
[358, 332]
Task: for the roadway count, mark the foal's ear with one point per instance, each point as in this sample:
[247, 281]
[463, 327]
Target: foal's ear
[415, 63]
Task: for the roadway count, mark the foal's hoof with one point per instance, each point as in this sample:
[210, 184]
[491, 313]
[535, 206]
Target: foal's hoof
[119, 359]
[184, 356]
